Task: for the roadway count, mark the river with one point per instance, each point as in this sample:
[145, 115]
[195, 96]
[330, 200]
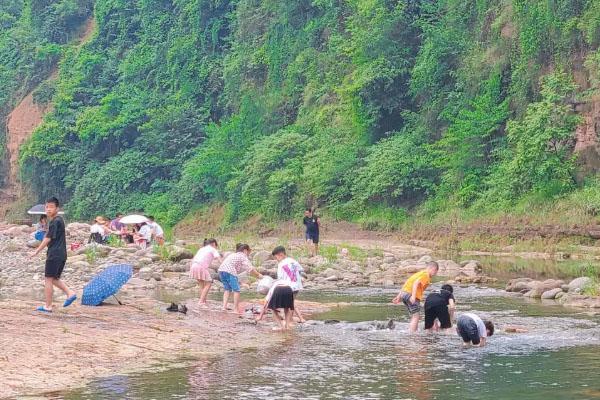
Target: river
[558, 358]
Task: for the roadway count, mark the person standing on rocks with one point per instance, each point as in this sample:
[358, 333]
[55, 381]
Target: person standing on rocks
[412, 293]
[233, 265]
[312, 223]
[200, 265]
[56, 257]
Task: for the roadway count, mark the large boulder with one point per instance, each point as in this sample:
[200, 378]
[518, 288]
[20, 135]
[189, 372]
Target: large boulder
[518, 284]
[177, 253]
[471, 268]
[578, 284]
[261, 256]
[425, 259]
[546, 285]
[551, 294]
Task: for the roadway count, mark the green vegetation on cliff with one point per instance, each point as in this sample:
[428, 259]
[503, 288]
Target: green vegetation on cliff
[371, 108]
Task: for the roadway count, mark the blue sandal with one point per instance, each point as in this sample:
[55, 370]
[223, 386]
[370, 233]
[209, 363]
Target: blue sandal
[70, 300]
[43, 309]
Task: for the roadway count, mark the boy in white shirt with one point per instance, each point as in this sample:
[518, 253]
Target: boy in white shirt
[473, 330]
[289, 270]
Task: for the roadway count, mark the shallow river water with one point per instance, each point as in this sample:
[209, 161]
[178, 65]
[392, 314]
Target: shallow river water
[559, 358]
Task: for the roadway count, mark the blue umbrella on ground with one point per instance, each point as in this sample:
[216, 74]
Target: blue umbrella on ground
[107, 283]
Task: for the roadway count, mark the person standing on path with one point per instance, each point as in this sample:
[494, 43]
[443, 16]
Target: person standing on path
[56, 257]
[312, 223]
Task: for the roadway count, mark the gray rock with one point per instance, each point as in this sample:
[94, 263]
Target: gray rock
[559, 295]
[261, 256]
[425, 259]
[145, 273]
[551, 294]
[177, 253]
[332, 278]
[388, 283]
[578, 284]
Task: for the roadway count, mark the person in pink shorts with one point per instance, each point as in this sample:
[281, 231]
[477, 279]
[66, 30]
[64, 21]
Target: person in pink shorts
[199, 269]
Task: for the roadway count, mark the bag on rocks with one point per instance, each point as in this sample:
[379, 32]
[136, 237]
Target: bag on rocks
[264, 284]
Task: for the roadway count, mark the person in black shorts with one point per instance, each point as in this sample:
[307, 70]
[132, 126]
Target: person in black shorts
[312, 223]
[56, 257]
[439, 306]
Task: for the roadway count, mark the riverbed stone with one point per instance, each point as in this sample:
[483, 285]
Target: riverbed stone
[178, 253]
[551, 294]
[145, 273]
[425, 259]
[261, 256]
[578, 284]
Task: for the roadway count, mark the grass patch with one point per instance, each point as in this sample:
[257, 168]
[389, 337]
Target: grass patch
[330, 252]
[91, 254]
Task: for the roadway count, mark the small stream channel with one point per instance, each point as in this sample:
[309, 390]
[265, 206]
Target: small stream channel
[559, 358]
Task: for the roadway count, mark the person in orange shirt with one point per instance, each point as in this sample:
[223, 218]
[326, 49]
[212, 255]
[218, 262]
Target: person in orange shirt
[412, 292]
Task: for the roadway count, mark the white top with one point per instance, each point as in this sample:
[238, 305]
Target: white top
[158, 230]
[146, 232]
[479, 322]
[205, 256]
[278, 282]
[289, 270]
[97, 228]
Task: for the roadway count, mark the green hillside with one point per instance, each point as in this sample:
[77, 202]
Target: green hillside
[372, 109]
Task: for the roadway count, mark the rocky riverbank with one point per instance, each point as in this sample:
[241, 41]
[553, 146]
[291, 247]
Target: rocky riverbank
[141, 335]
[166, 268]
[580, 292]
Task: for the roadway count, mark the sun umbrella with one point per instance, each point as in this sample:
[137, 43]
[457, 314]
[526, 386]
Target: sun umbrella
[133, 219]
[107, 283]
[40, 209]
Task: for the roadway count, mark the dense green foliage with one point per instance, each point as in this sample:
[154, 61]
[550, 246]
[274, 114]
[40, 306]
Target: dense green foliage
[366, 107]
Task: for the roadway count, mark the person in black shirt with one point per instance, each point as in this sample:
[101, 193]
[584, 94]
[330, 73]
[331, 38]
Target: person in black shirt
[439, 306]
[56, 256]
[312, 222]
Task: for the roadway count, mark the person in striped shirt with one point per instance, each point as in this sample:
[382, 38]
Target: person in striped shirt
[233, 265]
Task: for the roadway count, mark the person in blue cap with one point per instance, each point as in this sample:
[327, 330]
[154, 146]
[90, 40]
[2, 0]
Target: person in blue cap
[55, 241]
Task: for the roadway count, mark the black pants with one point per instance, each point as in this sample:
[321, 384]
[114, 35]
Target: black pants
[440, 313]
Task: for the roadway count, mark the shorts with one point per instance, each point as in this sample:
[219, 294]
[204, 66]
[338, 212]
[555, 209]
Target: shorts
[312, 236]
[440, 313]
[413, 308]
[467, 330]
[230, 282]
[54, 267]
[282, 297]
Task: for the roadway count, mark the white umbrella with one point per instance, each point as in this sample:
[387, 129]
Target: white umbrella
[133, 219]
[40, 209]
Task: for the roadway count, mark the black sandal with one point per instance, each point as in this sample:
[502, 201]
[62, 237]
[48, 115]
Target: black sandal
[173, 307]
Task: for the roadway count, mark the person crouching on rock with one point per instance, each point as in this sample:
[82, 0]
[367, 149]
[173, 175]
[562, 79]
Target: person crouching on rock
[412, 293]
[199, 269]
[56, 258]
[280, 296]
[289, 270]
[439, 309]
[233, 265]
[473, 330]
